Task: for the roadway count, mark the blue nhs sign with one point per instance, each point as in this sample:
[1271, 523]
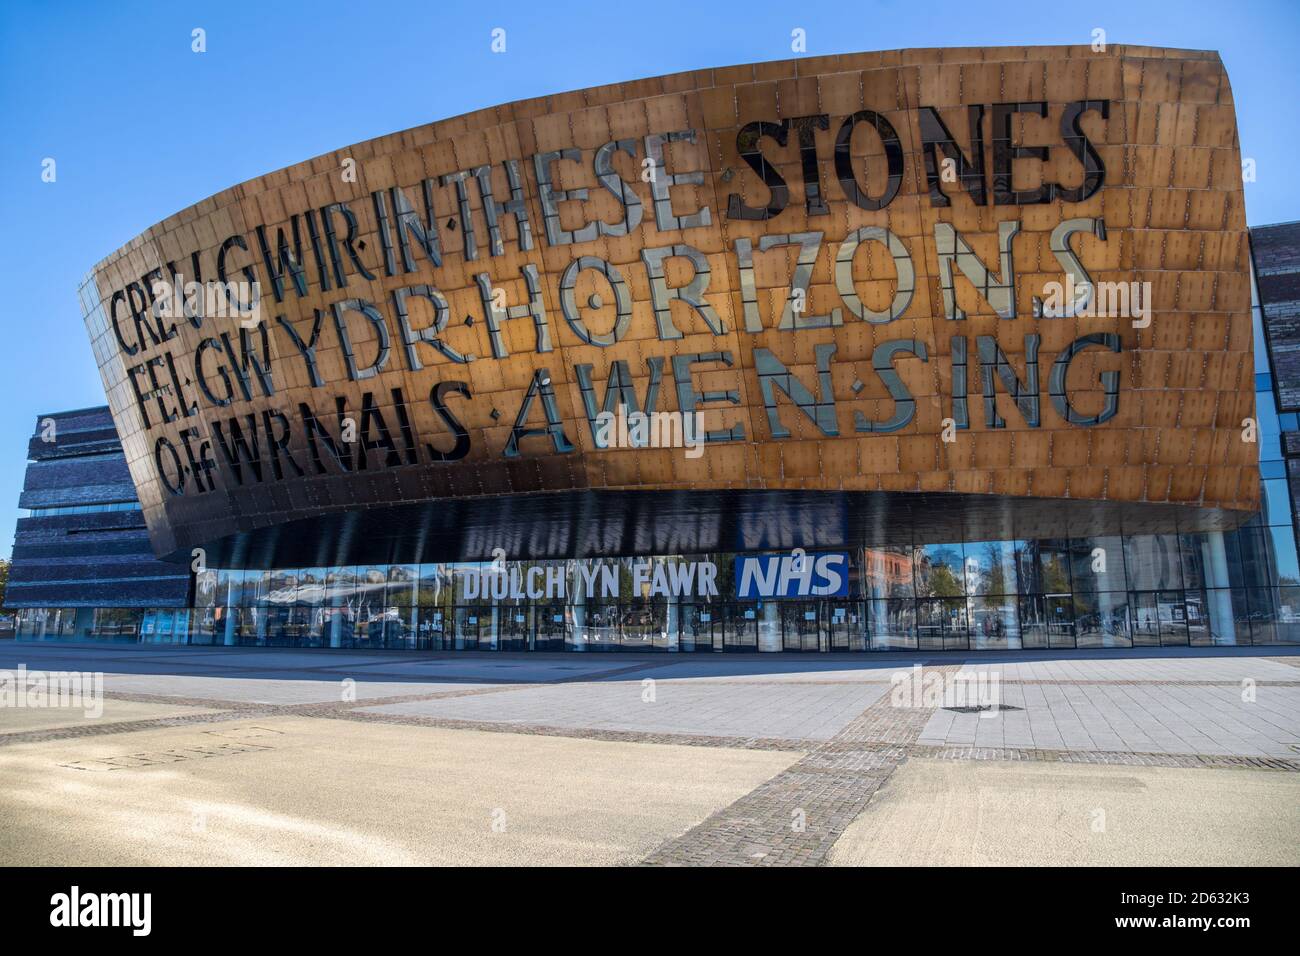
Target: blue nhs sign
[793, 575]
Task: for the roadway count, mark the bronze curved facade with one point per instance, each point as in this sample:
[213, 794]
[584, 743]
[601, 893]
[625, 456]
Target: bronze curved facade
[863, 272]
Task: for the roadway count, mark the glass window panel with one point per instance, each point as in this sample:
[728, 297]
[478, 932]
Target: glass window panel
[1101, 619]
[887, 572]
[1172, 612]
[431, 627]
[1028, 577]
[941, 624]
[205, 587]
[1050, 567]
[940, 571]
[695, 632]
[403, 581]
[228, 587]
[340, 586]
[204, 626]
[1221, 616]
[1232, 548]
[740, 623]
[1199, 629]
[1153, 561]
[991, 567]
[1241, 616]
[1287, 626]
[1033, 622]
[1097, 564]
[108, 622]
[455, 580]
[276, 588]
[645, 626]
[1263, 614]
[243, 588]
[1256, 567]
[372, 581]
[311, 587]
[368, 622]
[395, 628]
[315, 618]
[434, 590]
[994, 623]
[892, 625]
[601, 632]
[1058, 610]
[1275, 501]
[1282, 545]
[1270, 431]
[1192, 548]
[1145, 621]
[339, 624]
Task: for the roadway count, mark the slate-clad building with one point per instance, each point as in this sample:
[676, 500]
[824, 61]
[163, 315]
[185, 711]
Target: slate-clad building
[82, 564]
[1275, 251]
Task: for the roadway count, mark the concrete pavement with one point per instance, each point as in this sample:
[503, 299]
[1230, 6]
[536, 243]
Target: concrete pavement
[216, 755]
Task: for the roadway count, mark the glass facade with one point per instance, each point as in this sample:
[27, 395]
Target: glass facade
[1238, 587]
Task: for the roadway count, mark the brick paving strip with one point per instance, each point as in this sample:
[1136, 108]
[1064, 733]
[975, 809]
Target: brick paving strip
[1126, 758]
[796, 817]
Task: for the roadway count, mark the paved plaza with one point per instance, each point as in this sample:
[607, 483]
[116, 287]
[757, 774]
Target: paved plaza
[216, 755]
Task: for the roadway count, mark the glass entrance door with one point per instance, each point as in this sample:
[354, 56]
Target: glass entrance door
[467, 628]
[845, 625]
[739, 626]
[550, 629]
[513, 629]
[799, 626]
[701, 628]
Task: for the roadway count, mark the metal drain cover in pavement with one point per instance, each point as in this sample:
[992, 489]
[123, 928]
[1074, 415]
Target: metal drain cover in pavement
[981, 708]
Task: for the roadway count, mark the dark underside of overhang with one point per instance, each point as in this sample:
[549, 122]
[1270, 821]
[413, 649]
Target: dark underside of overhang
[612, 523]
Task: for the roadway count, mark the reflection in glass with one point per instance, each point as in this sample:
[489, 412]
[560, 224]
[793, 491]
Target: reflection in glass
[340, 587]
[402, 585]
[1153, 562]
[994, 623]
[887, 572]
[940, 570]
[1287, 626]
[311, 587]
[1101, 619]
[1282, 549]
[941, 624]
[892, 625]
[1058, 612]
[991, 566]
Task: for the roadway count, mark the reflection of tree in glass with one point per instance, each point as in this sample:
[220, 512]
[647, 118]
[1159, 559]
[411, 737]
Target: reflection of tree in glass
[1056, 577]
[995, 579]
[943, 583]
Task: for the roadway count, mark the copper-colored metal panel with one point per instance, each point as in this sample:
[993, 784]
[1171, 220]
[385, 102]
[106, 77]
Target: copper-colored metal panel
[738, 243]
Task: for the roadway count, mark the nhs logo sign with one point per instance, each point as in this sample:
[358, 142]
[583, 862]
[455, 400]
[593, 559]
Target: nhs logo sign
[793, 575]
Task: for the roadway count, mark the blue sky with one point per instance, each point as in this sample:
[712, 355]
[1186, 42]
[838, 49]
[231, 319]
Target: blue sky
[141, 127]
